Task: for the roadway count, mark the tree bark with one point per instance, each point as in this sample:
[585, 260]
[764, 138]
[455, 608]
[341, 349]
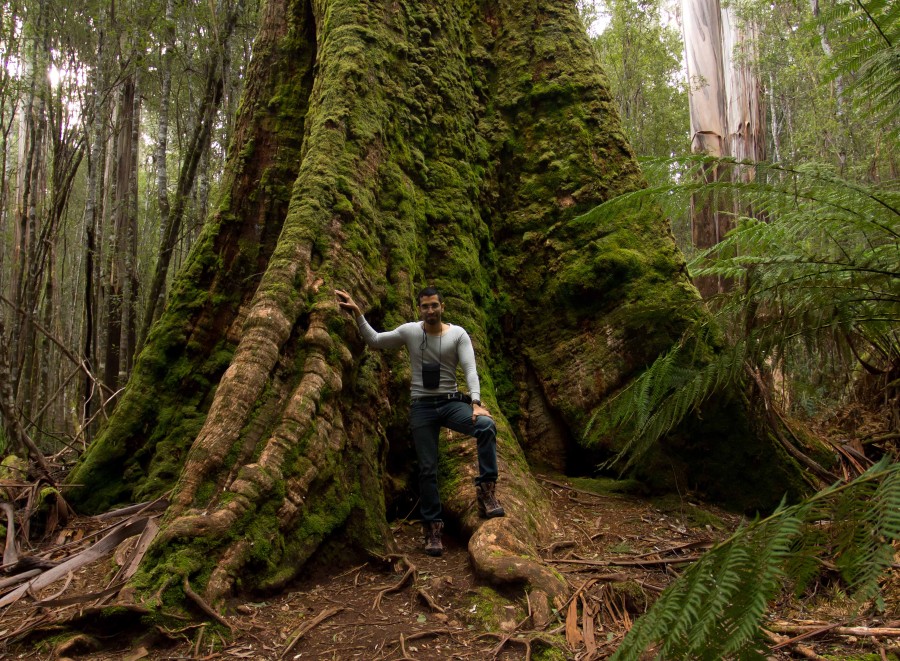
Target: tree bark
[94, 112]
[117, 279]
[702, 29]
[162, 131]
[381, 147]
[746, 113]
[28, 270]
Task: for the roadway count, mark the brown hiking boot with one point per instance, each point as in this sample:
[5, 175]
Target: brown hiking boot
[432, 532]
[488, 505]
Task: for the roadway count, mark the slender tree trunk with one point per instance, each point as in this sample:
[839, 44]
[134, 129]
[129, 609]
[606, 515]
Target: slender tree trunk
[34, 249]
[117, 276]
[162, 137]
[89, 224]
[201, 205]
[828, 52]
[129, 244]
[9, 104]
[776, 126]
[709, 127]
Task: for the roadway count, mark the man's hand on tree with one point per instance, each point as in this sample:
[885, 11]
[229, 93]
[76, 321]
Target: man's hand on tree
[347, 303]
[478, 409]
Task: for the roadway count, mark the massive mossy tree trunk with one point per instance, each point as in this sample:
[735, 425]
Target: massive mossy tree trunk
[381, 146]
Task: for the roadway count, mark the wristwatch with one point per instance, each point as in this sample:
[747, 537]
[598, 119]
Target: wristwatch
[476, 402]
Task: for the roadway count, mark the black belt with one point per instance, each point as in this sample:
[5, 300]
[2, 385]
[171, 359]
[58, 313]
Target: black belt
[452, 396]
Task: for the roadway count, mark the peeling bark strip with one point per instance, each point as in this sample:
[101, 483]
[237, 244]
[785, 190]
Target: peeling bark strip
[98, 550]
[381, 147]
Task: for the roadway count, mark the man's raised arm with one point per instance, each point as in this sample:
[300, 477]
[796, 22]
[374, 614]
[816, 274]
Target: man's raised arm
[389, 340]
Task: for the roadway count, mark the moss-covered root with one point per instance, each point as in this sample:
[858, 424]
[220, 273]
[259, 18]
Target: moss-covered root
[504, 550]
[278, 507]
[498, 553]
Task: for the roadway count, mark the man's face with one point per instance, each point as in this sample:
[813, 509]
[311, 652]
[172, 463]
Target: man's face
[431, 309]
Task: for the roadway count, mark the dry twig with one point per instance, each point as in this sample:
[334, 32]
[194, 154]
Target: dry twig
[206, 608]
[307, 627]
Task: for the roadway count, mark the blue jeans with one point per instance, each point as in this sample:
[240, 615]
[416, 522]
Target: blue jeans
[426, 417]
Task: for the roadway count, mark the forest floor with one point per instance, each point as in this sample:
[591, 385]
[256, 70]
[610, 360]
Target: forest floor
[617, 552]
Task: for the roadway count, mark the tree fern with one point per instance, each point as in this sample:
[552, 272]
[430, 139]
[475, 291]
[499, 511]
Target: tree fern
[715, 609]
[869, 53]
[820, 278]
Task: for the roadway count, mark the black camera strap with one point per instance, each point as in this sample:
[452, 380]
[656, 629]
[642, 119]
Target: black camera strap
[425, 345]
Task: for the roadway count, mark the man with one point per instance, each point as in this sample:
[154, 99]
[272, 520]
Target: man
[435, 349]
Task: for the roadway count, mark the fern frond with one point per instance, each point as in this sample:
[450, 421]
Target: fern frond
[823, 270]
[869, 54]
[715, 609]
[664, 394]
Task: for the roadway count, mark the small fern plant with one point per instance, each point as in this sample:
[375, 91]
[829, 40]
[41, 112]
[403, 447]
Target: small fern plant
[715, 609]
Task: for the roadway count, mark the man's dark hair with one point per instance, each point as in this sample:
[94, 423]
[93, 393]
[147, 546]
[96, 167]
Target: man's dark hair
[429, 291]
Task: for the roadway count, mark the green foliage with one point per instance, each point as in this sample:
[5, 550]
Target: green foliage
[829, 82]
[641, 56]
[714, 609]
[815, 293]
[870, 57]
[662, 396]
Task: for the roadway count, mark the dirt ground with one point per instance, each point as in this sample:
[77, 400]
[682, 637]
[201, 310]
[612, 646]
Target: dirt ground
[618, 552]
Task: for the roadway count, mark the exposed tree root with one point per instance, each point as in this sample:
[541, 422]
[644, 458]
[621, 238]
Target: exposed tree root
[429, 600]
[409, 576]
[198, 600]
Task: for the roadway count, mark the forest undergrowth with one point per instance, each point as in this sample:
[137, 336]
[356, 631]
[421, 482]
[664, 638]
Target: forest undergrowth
[620, 551]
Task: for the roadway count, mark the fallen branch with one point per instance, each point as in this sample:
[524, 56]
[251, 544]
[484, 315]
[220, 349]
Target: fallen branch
[556, 546]
[700, 544]
[787, 627]
[628, 563]
[808, 634]
[879, 439]
[59, 592]
[140, 508]
[18, 578]
[802, 650]
[562, 485]
[825, 476]
[308, 626]
[52, 602]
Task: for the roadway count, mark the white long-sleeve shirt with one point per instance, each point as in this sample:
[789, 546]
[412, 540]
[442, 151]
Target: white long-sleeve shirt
[452, 348]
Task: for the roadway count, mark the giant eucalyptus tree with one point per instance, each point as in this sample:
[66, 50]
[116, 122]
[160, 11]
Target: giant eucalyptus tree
[381, 146]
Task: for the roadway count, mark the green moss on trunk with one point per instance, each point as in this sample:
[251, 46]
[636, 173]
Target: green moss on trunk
[387, 146]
